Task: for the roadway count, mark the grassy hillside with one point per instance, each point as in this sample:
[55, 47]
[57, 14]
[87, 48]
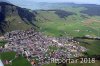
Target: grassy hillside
[70, 20]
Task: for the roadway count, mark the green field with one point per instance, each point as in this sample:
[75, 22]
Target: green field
[2, 42]
[20, 61]
[68, 29]
[7, 55]
[93, 46]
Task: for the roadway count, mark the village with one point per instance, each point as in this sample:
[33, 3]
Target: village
[39, 48]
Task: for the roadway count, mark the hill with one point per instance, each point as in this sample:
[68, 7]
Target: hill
[13, 17]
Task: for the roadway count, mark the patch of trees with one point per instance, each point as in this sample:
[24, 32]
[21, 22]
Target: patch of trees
[83, 16]
[63, 14]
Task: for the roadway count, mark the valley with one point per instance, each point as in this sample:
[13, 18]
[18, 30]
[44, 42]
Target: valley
[64, 31]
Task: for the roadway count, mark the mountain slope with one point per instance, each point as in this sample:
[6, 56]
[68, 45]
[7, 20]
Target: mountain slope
[72, 19]
[13, 17]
